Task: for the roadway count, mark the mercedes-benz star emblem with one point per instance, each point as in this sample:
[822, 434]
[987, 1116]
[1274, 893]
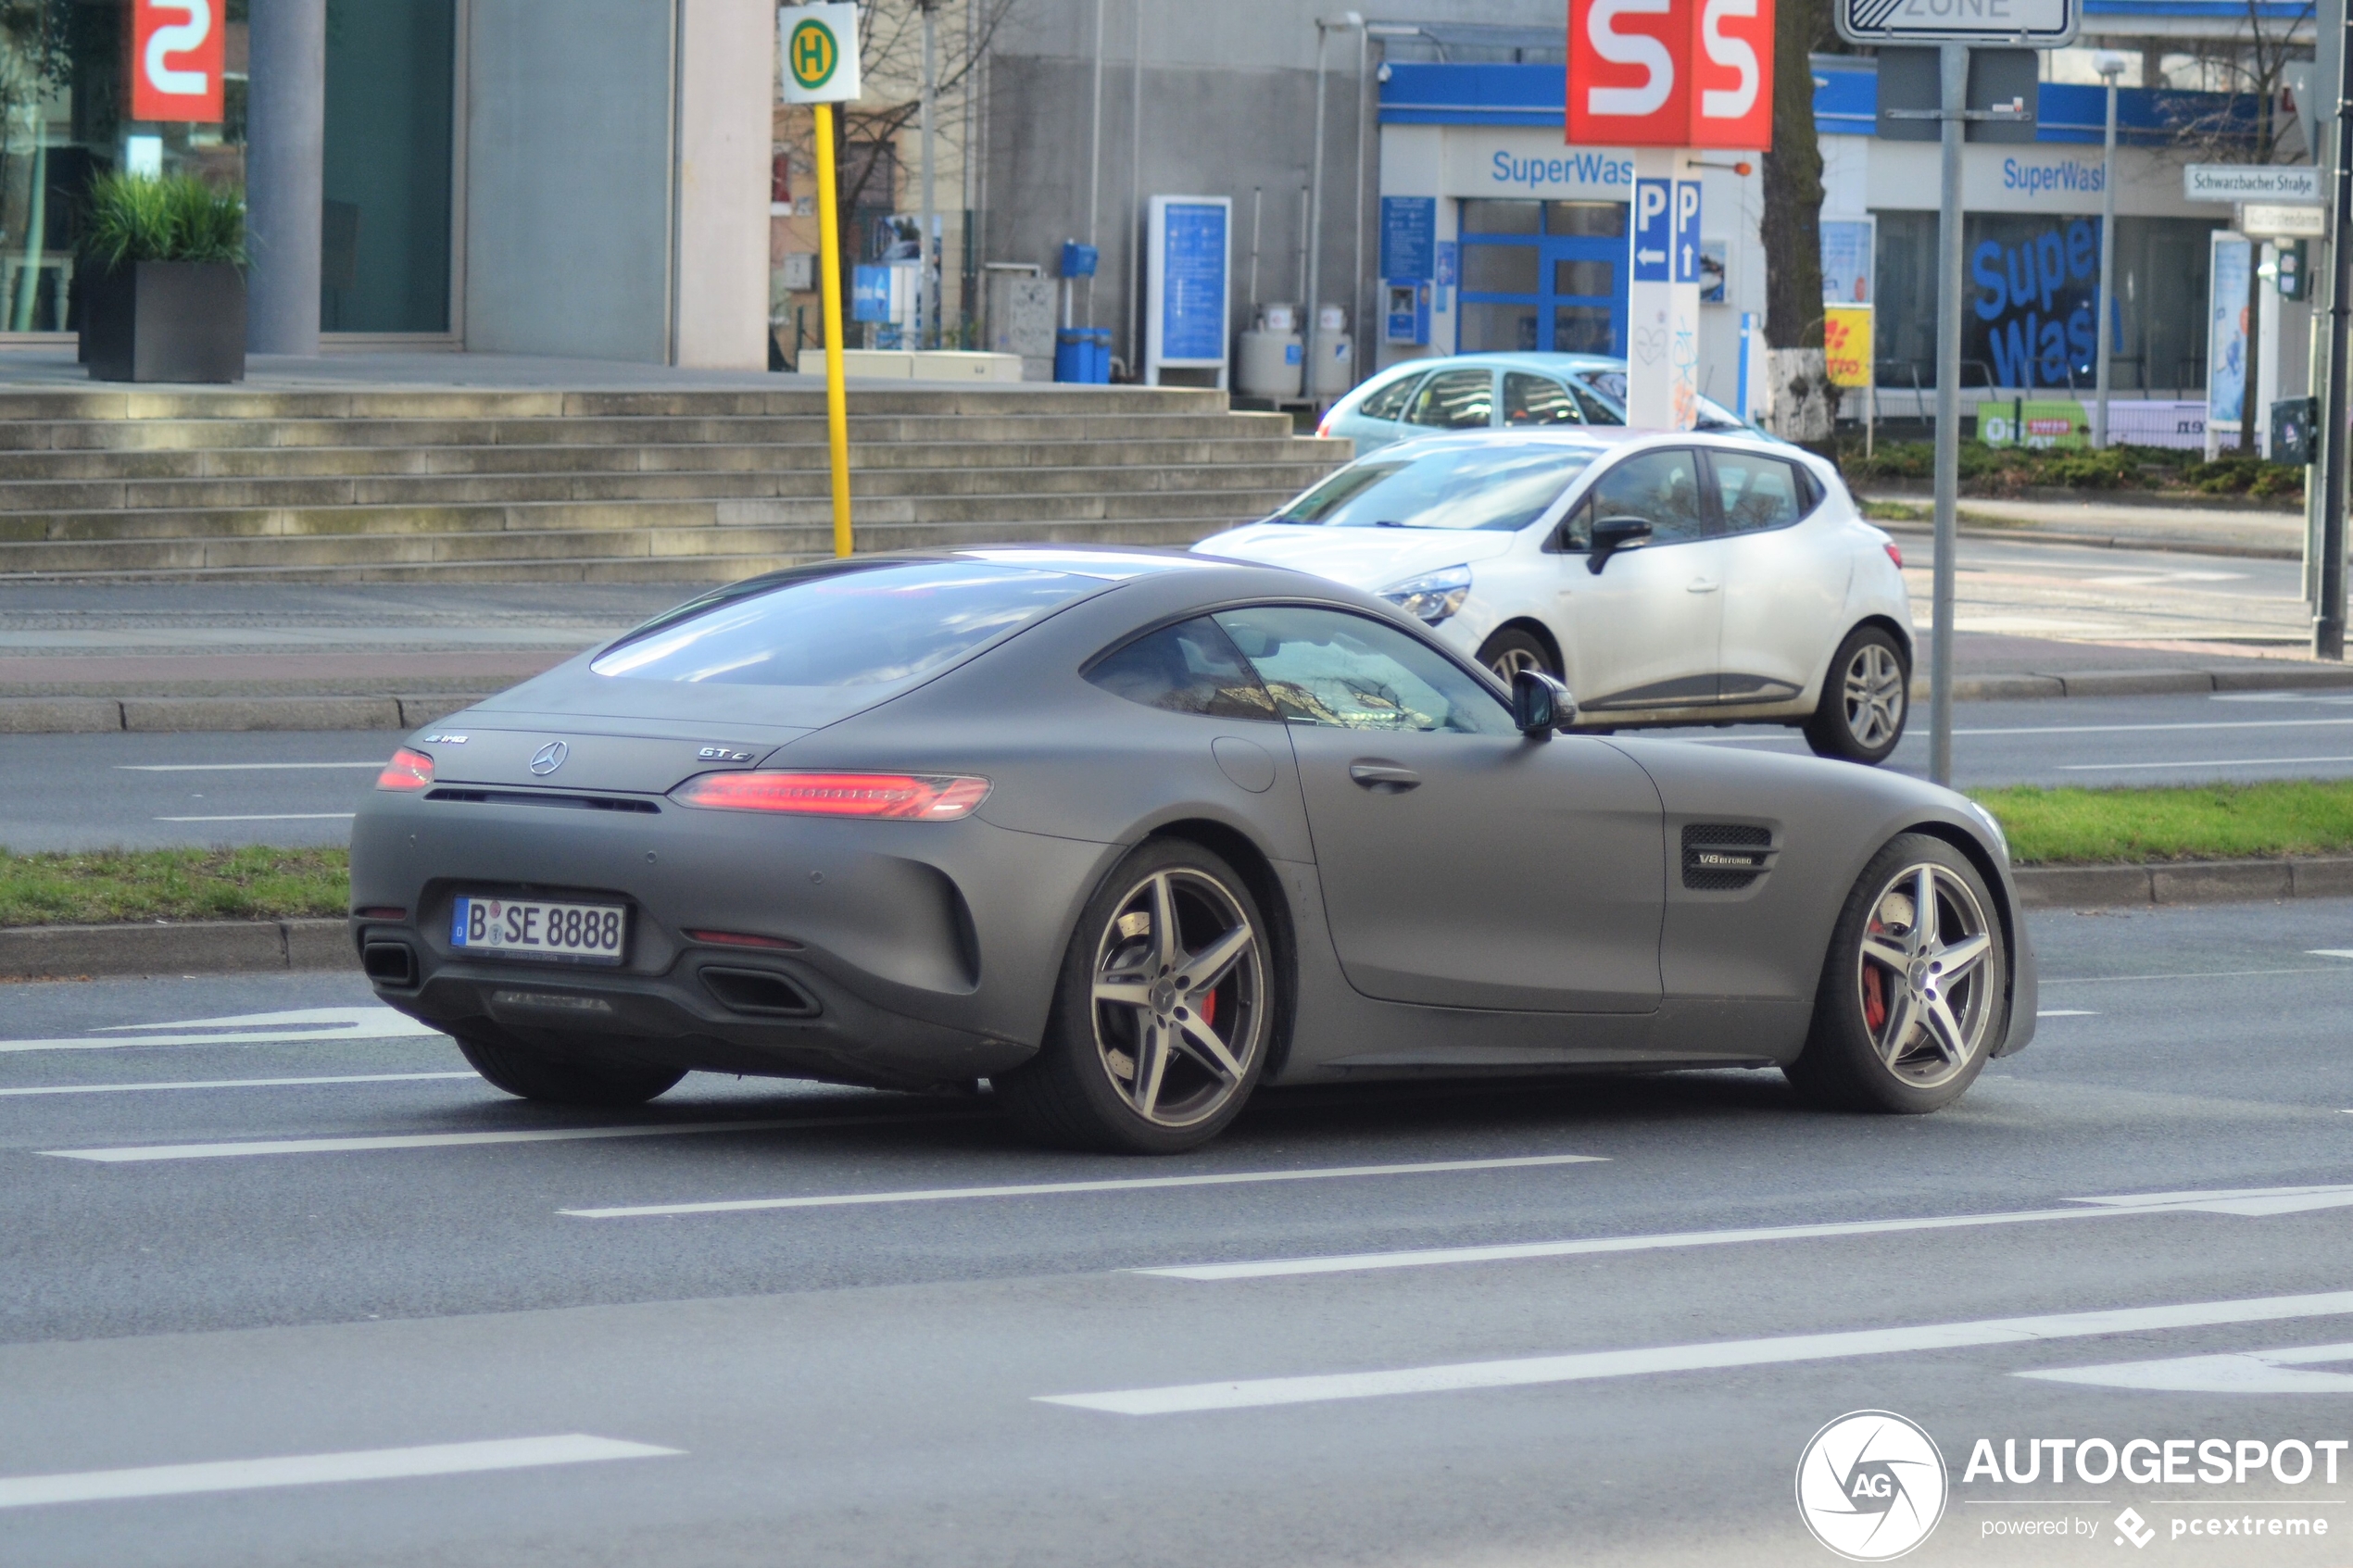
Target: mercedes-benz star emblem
[549, 758]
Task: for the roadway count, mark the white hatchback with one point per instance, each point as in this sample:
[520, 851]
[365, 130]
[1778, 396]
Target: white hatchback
[1668, 578]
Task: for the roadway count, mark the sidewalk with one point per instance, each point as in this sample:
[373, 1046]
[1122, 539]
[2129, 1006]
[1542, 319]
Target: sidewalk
[2146, 524]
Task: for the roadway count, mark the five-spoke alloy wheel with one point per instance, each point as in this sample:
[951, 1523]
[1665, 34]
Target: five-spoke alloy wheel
[1915, 994]
[1511, 650]
[1162, 1021]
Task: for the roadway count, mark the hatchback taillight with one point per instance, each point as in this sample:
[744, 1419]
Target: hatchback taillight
[407, 771]
[1893, 554]
[929, 797]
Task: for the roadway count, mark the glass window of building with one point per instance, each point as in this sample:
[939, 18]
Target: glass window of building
[383, 263]
[1543, 276]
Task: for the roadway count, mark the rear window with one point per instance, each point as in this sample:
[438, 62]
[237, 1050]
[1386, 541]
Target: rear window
[1501, 488]
[865, 626]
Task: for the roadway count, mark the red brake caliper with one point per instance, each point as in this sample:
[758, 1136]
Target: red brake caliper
[1209, 1009]
[1874, 990]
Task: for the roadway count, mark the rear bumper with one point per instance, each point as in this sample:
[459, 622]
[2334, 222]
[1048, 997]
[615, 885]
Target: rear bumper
[916, 954]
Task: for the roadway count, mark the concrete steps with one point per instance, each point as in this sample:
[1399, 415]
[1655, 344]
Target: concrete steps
[690, 485]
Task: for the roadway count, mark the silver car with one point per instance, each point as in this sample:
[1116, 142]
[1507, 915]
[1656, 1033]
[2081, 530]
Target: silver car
[1497, 392]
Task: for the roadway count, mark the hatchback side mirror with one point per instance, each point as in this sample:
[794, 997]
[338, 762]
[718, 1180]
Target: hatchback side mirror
[1612, 535]
[1541, 705]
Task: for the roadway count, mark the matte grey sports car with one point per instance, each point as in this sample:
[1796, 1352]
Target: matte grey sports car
[1127, 834]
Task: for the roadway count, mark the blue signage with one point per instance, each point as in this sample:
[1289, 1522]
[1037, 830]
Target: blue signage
[1687, 231]
[1192, 300]
[1653, 231]
[1408, 239]
[870, 294]
[2036, 285]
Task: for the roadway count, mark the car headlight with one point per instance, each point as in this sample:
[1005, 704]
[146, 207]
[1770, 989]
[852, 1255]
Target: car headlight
[1993, 825]
[1433, 598]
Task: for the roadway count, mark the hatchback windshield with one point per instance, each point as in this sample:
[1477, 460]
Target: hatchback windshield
[866, 626]
[1502, 488]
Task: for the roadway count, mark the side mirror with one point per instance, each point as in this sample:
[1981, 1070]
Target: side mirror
[1541, 705]
[1612, 535]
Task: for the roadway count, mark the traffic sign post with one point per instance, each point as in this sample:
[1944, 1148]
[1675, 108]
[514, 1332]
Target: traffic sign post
[1954, 26]
[820, 45]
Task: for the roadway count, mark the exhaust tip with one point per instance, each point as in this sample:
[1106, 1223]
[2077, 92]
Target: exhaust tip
[389, 964]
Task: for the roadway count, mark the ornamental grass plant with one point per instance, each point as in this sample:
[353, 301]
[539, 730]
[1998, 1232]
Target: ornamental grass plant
[133, 218]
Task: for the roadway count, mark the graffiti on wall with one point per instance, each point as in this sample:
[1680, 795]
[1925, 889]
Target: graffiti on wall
[2034, 321]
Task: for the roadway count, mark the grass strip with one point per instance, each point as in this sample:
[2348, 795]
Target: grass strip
[253, 883]
[2202, 822]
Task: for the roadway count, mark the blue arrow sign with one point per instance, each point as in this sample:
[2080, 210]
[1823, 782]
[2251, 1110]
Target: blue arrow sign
[1687, 231]
[1653, 230]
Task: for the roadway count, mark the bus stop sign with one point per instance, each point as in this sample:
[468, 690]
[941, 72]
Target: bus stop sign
[2020, 24]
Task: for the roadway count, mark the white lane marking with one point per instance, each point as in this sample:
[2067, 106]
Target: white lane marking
[234, 767]
[2331, 952]
[1127, 1184]
[2137, 729]
[2067, 1012]
[2246, 1371]
[297, 1026]
[269, 817]
[234, 1083]
[1522, 1371]
[2216, 762]
[310, 1470]
[141, 1154]
[2185, 974]
[2235, 1200]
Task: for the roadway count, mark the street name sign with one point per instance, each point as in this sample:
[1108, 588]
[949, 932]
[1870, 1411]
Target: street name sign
[2297, 182]
[2029, 24]
[820, 44]
[2271, 220]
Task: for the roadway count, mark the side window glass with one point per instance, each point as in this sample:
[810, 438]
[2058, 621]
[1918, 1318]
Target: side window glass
[1190, 668]
[1756, 492]
[1538, 400]
[1597, 412]
[1389, 402]
[1662, 488]
[1457, 400]
[1577, 529]
[1330, 668]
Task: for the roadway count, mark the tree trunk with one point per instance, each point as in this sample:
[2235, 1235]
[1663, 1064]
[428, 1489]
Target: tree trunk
[1798, 398]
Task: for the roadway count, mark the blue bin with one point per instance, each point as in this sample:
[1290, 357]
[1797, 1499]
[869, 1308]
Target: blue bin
[1083, 355]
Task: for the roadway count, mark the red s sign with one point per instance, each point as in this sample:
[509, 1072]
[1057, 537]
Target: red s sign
[1670, 73]
[176, 59]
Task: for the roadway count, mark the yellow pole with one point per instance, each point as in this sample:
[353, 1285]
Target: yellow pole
[829, 287]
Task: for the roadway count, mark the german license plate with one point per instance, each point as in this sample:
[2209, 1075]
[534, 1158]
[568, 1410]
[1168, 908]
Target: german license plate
[511, 928]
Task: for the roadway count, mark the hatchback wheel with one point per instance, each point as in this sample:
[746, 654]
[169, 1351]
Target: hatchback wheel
[1511, 650]
[1866, 698]
[1915, 988]
[1163, 1015]
[531, 1074]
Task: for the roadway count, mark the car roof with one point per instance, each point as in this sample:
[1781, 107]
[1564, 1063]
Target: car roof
[1555, 364]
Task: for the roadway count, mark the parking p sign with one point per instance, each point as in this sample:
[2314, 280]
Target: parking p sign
[1653, 231]
[820, 44]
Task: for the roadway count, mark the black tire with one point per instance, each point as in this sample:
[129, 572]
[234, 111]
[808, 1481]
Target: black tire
[1858, 1055]
[530, 1074]
[1867, 699]
[1082, 1089]
[1509, 650]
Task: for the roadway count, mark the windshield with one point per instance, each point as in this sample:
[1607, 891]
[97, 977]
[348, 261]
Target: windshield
[861, 627]
[1498, 488]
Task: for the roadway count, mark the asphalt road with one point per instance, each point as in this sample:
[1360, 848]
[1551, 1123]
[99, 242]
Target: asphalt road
[237, 1325]
[83, 792]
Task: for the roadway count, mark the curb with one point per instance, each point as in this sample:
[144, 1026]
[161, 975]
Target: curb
[227, 947]
[91, 715]
[1988, 528]
[2184, 882]
[2282, 677]
[1892, 489]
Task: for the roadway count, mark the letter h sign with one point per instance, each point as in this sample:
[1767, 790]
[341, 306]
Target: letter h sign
[1671, 74]
[175, 60]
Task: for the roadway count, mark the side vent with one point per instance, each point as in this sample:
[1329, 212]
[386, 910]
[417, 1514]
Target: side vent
[1725, 857]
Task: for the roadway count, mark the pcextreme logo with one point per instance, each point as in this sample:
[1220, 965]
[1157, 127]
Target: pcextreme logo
[1870, 1486]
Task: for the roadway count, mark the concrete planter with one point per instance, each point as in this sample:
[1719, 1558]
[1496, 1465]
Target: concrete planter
[165, 322]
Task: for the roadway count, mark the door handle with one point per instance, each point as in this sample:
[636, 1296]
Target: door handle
[1700, 585]
[1384, 777]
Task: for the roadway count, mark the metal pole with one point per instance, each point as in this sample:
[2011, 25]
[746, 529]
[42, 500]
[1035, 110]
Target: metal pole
[1095, 157]
[1257, 215]
[2328, 625]
[1315, 229]
[1955, 61]
[929, 279]
[2106, 306]
[829, 294]
[1356, 292]
[1136, 203]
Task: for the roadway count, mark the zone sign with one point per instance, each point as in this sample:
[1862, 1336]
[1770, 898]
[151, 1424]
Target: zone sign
[1670, 73]
[176, 60]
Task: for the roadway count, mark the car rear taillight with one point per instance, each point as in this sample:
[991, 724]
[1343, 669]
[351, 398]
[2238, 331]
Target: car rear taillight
[1324, 426]
[407, 771]
[929, 797]
[1893, 554]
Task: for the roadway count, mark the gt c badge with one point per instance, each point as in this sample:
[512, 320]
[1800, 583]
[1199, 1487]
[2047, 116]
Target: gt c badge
[721, 754]
[549, 758]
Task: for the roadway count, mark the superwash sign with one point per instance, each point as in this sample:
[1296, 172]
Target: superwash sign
[1670, 73]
